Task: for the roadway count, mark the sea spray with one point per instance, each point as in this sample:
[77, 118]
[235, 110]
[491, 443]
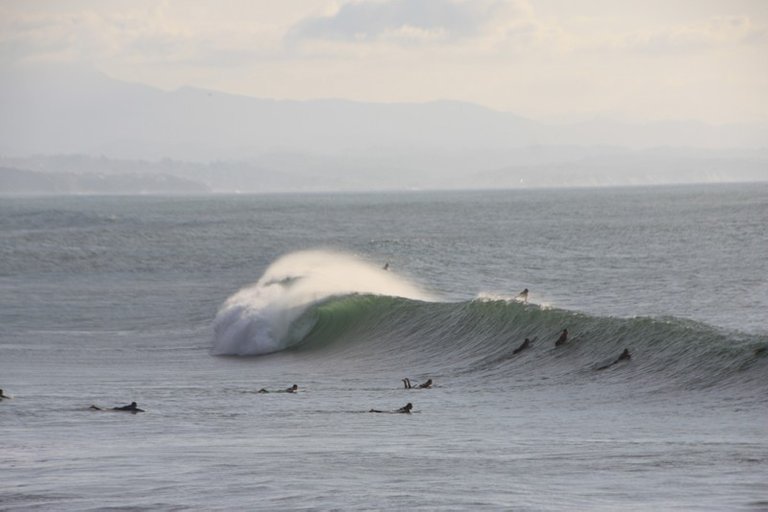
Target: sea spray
[267, 316]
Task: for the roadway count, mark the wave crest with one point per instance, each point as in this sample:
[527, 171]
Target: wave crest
[268, 316]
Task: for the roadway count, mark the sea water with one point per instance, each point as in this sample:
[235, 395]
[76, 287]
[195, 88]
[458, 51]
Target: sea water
[190, 306]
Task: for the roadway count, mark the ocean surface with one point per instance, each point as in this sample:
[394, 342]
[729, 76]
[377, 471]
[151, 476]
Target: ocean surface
[190, 305]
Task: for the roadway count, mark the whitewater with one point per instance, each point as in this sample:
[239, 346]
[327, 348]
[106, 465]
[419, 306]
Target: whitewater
[190, 306]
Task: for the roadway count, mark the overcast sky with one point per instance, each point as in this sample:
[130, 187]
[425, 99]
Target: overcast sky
[633, 60]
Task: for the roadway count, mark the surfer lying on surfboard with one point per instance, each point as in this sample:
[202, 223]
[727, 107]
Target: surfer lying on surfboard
[524, 345]
[406, 409]
[132, 407]
[623, 357]
[292, 389]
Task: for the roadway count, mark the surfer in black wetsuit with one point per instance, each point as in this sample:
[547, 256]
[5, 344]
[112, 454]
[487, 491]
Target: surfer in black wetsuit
[406, 409]
[563, 338]
[129, 408]
[2, 395]
[424, 385]
[625, 356]
[386, 266]
[523, 296]
[292, 389]
[524, 345]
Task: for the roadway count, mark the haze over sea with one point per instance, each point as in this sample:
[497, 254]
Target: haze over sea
[109, 300]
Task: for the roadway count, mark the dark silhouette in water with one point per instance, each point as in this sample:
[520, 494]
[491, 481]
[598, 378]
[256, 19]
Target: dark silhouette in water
[623, 357]
[406, 409]
[424, 385]
[132, 407]
[523, 296]
[292, 389]
[3, 395]
[563, 338]
[386, 266]
[524, 345]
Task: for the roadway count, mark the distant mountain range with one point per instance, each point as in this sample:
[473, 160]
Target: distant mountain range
[59, 111]
[221, 142]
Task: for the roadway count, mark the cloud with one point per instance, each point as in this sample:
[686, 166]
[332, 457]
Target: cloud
[698, 36]
[410, 21]
[154, 36]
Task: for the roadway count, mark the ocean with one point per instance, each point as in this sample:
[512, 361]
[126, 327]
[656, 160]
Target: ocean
[191, 305]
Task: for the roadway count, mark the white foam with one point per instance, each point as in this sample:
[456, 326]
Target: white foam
[258, 318]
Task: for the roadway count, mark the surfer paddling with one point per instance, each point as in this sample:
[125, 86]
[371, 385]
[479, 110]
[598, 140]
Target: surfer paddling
[406, 409]
[524, 345]
[292, 389]
[563, 338]
[132, 407]
[423, 385]
[625, 356]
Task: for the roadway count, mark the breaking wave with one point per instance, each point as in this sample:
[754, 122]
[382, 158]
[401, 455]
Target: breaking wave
[316, 300]
[268, 316]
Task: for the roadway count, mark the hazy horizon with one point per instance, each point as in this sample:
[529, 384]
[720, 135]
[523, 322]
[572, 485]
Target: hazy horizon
[428, 92]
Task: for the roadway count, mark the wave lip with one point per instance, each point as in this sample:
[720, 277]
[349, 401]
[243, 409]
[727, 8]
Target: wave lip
[269, 315]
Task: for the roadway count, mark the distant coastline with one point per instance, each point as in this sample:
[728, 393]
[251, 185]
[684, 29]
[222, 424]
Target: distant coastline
[280, 173]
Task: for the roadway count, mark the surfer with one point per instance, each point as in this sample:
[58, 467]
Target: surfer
[523, 296]
[406, 409]
[3, 395]
[563, 338]
[625, 356]
[292, 389]
[129, 408]
[524, 345]
[386, 266]
[424, 385]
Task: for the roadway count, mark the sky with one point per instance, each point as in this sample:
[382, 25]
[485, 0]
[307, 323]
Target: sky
[549, 60]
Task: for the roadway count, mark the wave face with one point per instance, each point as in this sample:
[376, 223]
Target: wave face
[313, 301]
[270, 315]
[475, 340]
